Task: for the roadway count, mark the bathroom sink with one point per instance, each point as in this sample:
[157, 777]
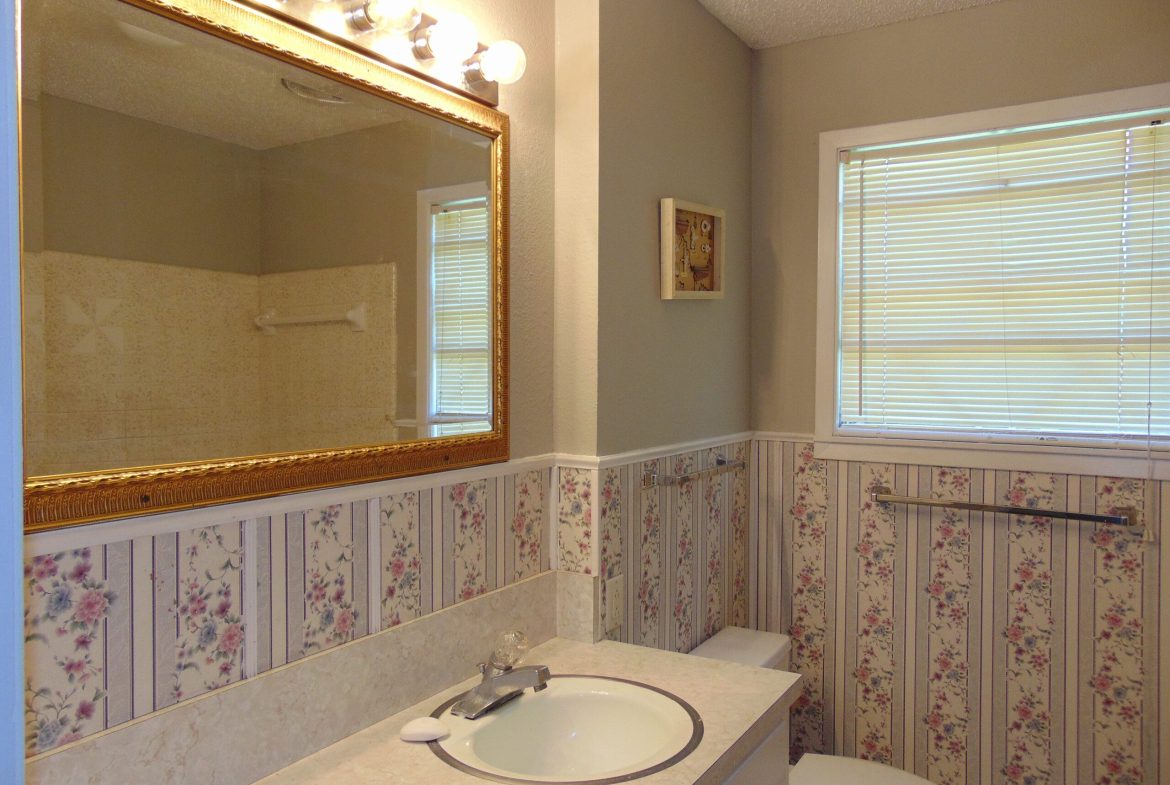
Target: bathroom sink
[579, 729]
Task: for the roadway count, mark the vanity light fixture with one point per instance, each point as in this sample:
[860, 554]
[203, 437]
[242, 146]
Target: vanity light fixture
[366, 15]
[400, 16]
[445, 50]
[503, 63]
[452, 39]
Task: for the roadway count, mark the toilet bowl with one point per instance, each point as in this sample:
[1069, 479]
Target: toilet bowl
[772, 650]
[825, 769]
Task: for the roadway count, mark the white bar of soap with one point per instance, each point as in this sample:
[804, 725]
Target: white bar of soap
[423, 729]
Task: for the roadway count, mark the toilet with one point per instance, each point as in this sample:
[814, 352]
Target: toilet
[772, 650]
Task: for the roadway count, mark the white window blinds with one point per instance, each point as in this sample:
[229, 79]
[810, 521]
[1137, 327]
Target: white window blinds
[460, 308]
[1014, 284]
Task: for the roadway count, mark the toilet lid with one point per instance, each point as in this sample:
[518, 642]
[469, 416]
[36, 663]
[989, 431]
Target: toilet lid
[750, 647]
[836, 770]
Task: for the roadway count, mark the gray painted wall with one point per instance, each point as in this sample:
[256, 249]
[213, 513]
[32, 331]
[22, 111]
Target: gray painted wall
[674, 121]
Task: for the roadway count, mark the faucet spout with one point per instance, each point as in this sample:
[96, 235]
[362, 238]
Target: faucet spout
[499, 687]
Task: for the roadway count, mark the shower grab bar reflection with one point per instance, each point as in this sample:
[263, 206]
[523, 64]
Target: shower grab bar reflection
[355, 317]
[722, 465]
[1121, 516]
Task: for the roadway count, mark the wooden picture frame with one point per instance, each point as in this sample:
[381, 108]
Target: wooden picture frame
[691, 249]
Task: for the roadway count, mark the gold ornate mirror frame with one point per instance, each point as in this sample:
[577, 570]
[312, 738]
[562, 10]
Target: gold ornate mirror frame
[66, 500]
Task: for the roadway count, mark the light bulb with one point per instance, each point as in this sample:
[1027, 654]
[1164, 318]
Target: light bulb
[375, 12]
[503, 62]
[399, 15]
[329, 17]
[453, 39]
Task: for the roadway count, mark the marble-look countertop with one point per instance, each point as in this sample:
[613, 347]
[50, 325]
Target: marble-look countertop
[740, 706]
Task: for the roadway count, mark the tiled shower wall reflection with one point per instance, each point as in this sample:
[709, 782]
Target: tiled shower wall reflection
[682, 551]
[963, 646]
[106, 388]
[119, 630]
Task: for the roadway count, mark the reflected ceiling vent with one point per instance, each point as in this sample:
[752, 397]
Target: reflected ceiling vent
[311, 93]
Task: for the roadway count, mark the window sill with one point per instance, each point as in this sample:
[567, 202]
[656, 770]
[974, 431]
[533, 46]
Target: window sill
[1055, 458]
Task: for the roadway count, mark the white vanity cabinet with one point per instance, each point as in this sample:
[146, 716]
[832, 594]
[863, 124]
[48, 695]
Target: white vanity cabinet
[768, 765]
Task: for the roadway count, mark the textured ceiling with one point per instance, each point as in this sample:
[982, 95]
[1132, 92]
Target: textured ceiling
[116, 57]
[764, 23]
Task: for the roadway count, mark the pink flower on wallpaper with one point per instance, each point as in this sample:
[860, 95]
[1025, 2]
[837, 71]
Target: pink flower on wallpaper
[231, 638]
[196, 605]
[92, 607]
[345, 621]
[317, 589]
[43, 567]
[80, 571]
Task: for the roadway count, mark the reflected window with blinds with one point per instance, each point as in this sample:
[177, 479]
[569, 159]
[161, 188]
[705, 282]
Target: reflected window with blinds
[458, 341]
[1013, 284]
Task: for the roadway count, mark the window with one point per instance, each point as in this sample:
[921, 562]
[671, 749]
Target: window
[455, 336]
[1010, 285]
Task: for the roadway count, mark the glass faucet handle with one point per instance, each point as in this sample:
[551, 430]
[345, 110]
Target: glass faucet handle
[510, 648]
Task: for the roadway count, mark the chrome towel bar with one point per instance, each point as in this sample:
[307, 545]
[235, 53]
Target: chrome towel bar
[722, 465]
[1122, 516]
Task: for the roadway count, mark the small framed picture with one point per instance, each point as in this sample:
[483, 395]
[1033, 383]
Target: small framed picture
[691, 239]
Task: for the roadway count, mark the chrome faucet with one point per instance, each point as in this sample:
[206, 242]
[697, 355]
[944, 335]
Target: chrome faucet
[501, 681]
[499, 686]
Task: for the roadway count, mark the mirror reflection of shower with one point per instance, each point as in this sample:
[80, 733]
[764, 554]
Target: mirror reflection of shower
[177, 187]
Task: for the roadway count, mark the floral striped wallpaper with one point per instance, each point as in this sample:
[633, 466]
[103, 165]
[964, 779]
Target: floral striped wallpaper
[119, 630]
[681, 550]
[963, 646]
[969, 648]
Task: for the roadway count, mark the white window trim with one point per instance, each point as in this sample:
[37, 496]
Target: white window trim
[423, 328]
[1110, 457]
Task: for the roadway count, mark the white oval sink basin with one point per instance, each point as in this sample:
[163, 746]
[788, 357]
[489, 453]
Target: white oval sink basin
[579, 729]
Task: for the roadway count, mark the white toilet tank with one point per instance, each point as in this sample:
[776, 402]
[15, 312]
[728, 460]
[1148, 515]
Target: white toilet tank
[748, 647]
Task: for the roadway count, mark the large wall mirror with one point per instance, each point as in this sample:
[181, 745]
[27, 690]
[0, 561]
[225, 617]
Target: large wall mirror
[253, 262]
